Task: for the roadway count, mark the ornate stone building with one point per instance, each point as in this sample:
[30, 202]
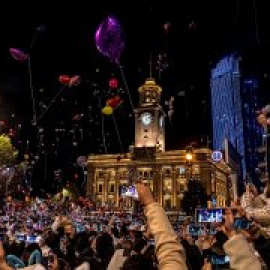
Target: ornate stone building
[167, 172]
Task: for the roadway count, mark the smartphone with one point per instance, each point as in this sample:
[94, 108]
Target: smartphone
[31, 239]
[151, 241]
[129, 191]
[20, 238]
[212, 215]
[195, 229]
[219, 259]
[242, 223]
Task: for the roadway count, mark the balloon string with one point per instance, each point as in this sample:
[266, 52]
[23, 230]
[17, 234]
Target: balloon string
[32, 90]
[126, 86]
[118, 134]
[51, 103]
[33, 40]
[103, 128]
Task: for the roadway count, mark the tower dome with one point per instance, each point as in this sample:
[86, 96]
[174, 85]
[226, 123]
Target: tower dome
[149, 93]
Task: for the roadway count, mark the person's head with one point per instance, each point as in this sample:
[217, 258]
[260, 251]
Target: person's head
[104, 248]
[82, 242]
[138, 262]
[139, 244]
[69, 230]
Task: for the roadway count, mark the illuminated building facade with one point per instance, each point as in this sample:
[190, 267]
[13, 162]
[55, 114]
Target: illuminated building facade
[227, 105]
[166, 172]
[234, 105]
[252, 130]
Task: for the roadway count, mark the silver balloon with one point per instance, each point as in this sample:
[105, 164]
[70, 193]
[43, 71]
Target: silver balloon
[82, 161]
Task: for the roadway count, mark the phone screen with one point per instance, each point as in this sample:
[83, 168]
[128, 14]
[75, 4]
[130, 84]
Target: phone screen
[195, 229]
[209, 215]
[219, 260]
[242, 223]
[129, 191]
[31, 239]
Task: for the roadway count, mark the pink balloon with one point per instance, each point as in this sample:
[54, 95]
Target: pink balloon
[74, 80]
[18, 54]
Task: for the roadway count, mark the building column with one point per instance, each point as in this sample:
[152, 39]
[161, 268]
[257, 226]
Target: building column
[117, 187]
[90, 191]
[174, 187]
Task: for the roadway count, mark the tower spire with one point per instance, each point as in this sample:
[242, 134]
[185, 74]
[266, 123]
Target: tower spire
[150, 66]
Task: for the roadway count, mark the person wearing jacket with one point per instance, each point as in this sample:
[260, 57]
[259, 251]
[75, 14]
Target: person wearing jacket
[170, 253]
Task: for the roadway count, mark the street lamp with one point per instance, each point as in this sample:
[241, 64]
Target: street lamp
[189, 160]
[189, 155]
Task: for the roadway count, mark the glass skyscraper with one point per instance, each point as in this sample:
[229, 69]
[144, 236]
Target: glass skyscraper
[234, 105]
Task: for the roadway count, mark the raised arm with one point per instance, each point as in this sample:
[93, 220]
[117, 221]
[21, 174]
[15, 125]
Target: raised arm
[170, 253]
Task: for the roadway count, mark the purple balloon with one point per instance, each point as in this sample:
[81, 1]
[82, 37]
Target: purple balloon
[110, 39]
[18, 54]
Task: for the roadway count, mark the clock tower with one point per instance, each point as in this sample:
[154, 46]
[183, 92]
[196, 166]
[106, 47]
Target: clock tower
[149, 118]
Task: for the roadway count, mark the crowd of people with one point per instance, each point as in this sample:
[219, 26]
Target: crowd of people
[65, 233]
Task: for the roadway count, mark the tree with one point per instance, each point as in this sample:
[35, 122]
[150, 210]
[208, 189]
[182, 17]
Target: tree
[8, 154]
[10, 174]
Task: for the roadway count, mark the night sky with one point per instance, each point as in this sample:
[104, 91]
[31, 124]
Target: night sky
[187, 36]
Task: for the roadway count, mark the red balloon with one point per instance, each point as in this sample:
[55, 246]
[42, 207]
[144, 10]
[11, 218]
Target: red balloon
[113, 83]
[64, 79]
[114, 102]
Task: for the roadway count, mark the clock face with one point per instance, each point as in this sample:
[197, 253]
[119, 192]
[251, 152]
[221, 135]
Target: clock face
[146, 118]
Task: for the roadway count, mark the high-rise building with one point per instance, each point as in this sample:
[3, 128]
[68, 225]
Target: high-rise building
[234, 105]
[252, 131]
